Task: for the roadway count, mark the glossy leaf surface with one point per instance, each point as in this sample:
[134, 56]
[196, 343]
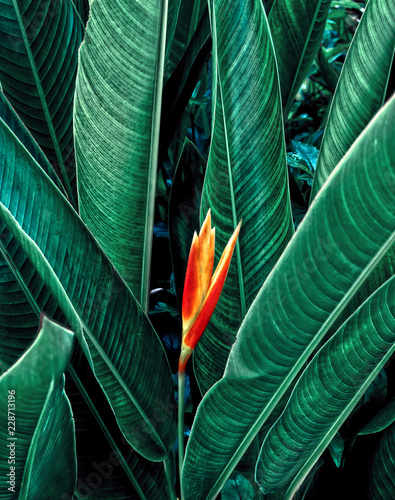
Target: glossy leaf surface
[349, 227]
[361, 88]
[117, 118]
[246, 173]
[297, 29]
[117, 331]
[382, 475]
[327, 392]
[38, 65]
[42, 416]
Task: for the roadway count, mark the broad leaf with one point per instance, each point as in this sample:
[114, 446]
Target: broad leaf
[117, 118]
[37, 428]
[382, 469]
[361, 88]
[327, 392]
[124, 348]
[38, 64]
[340, 241]
[246, 174]
[297, 29]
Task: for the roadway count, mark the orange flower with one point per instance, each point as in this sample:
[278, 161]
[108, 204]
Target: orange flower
[202, 288]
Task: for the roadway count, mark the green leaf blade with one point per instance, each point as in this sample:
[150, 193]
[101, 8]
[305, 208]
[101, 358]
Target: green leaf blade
[327, 392]
[361, 88]
[38, 397]
[338, 244]
[117, 106]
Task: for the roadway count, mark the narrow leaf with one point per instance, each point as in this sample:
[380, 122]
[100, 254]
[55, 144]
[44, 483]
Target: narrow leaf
[297, 29]
[361, 88]
[35, 412]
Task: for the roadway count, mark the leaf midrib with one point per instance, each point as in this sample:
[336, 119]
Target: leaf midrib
[298, 366]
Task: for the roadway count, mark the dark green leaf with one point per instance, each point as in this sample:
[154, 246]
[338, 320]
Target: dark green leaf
[297, 29]
[40, 447]
[39, 55]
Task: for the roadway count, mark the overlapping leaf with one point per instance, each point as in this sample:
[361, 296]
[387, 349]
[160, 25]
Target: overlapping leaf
[382, 475]
[124, 348]
[246, 174]
[297, 29]
[117, 118]
[361, 88]
[43, 444]
[38, 64]
[347, 230]
[327, 392]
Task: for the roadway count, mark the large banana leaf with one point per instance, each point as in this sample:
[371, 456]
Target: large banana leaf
[327, 392]
[38, 65]
[361, 88]
[340, 241]
[297, 29]
[246, 174]
[127, 356]
[382, 471]
[117, 119]
[41, 442]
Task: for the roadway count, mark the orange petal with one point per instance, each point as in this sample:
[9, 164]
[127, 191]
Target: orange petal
[192, 337]
[191, 300]
[199, 272]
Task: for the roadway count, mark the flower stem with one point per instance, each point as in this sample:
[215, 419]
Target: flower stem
[181, 408]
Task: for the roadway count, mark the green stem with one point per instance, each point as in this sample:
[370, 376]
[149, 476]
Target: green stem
[181, 408]
[169, 478]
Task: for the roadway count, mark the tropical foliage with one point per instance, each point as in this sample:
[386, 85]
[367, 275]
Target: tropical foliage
[122, 125]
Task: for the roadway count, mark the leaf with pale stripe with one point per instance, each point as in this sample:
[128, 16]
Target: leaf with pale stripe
[297, 29]
[45, 461]
[361, 88]
[246, 174]
[326, 393]
[38, 65]
[346, 231]
[125, 349]
[117, 119]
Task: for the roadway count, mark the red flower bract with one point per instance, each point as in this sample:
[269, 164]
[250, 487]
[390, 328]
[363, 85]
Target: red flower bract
[202, 288]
